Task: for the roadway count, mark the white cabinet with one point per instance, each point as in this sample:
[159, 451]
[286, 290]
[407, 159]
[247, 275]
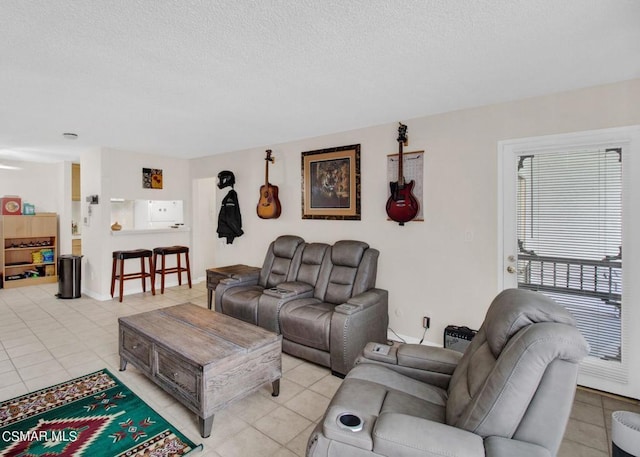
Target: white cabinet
[157, 213]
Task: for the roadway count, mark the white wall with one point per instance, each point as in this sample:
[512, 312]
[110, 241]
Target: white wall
[95, 254]
[35, 183]
[110, 173]
[205, 222]
[446, 266]
[45, 185]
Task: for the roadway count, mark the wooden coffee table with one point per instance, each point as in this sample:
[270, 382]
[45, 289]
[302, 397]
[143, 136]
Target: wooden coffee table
[204, 359]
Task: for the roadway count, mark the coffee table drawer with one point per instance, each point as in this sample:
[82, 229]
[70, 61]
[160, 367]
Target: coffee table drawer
[137, 347]
[179, 375]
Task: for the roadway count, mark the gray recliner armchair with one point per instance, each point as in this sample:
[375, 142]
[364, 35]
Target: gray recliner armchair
[239, 296]
[510, 394]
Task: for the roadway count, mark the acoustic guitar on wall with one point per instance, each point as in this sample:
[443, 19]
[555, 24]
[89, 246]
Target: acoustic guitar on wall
[402, 205]
[269, 204]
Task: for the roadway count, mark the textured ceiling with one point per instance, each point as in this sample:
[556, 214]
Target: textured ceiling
[194, 78]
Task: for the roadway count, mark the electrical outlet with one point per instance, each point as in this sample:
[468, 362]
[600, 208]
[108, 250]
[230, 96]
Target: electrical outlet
[426, 322]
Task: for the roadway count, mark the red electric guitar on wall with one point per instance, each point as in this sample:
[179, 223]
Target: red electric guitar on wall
[269, 204]
[402, 205]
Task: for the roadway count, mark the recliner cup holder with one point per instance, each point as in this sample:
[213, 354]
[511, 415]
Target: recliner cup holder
[278, 290]
[349, 421]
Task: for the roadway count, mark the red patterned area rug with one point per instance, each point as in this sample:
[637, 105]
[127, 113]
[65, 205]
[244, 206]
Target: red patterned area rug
[94, 415]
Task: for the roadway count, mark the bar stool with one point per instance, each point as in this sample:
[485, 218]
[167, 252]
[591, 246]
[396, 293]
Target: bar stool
[117, 271]
[179, 269]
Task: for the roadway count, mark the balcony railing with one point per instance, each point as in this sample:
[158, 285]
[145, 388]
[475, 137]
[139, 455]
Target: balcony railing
[562, 275]
[590, 289]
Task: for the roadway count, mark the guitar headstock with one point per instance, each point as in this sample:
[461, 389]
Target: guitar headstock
[402, 133]
[269, 158]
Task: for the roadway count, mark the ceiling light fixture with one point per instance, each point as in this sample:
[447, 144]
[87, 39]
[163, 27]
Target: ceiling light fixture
[70, 136]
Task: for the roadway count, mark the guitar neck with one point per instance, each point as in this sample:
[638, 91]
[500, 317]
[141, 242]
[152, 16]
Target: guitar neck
[402, 138]
[267, 159]
[400, 163]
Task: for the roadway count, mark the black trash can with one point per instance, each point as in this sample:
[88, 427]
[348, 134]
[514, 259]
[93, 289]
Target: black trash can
[69, 276]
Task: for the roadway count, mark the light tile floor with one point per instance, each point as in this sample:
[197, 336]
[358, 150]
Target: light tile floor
[45, 340]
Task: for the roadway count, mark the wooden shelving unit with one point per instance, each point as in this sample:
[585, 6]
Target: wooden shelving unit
[23, 238]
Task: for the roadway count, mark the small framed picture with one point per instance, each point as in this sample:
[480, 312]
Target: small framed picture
[152, 178]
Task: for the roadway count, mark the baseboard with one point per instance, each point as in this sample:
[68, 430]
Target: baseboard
[138, 290]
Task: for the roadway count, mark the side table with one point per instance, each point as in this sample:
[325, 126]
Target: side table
[215, 275]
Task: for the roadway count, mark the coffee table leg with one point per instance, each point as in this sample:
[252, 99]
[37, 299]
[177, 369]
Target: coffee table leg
[123, 364]
[209, 297]
[205, 426]
[276, 388]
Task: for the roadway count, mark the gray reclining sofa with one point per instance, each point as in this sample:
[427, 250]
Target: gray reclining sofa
[322, 299]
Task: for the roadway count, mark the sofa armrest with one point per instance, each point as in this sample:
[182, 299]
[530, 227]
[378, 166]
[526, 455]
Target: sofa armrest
[397, 434]
[249, 279]
[333, 430]
[272, 300]
[244, 277]
[410, 436]
[364, 300]
[428, 358]
[431, 364]
[381, 352]
[362, 319]
[497, 446]
[289, 289]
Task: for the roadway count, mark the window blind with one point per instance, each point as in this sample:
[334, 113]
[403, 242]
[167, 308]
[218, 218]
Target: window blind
[569, 226]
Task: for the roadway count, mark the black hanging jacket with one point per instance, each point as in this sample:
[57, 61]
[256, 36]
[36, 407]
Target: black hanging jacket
[229, 219]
